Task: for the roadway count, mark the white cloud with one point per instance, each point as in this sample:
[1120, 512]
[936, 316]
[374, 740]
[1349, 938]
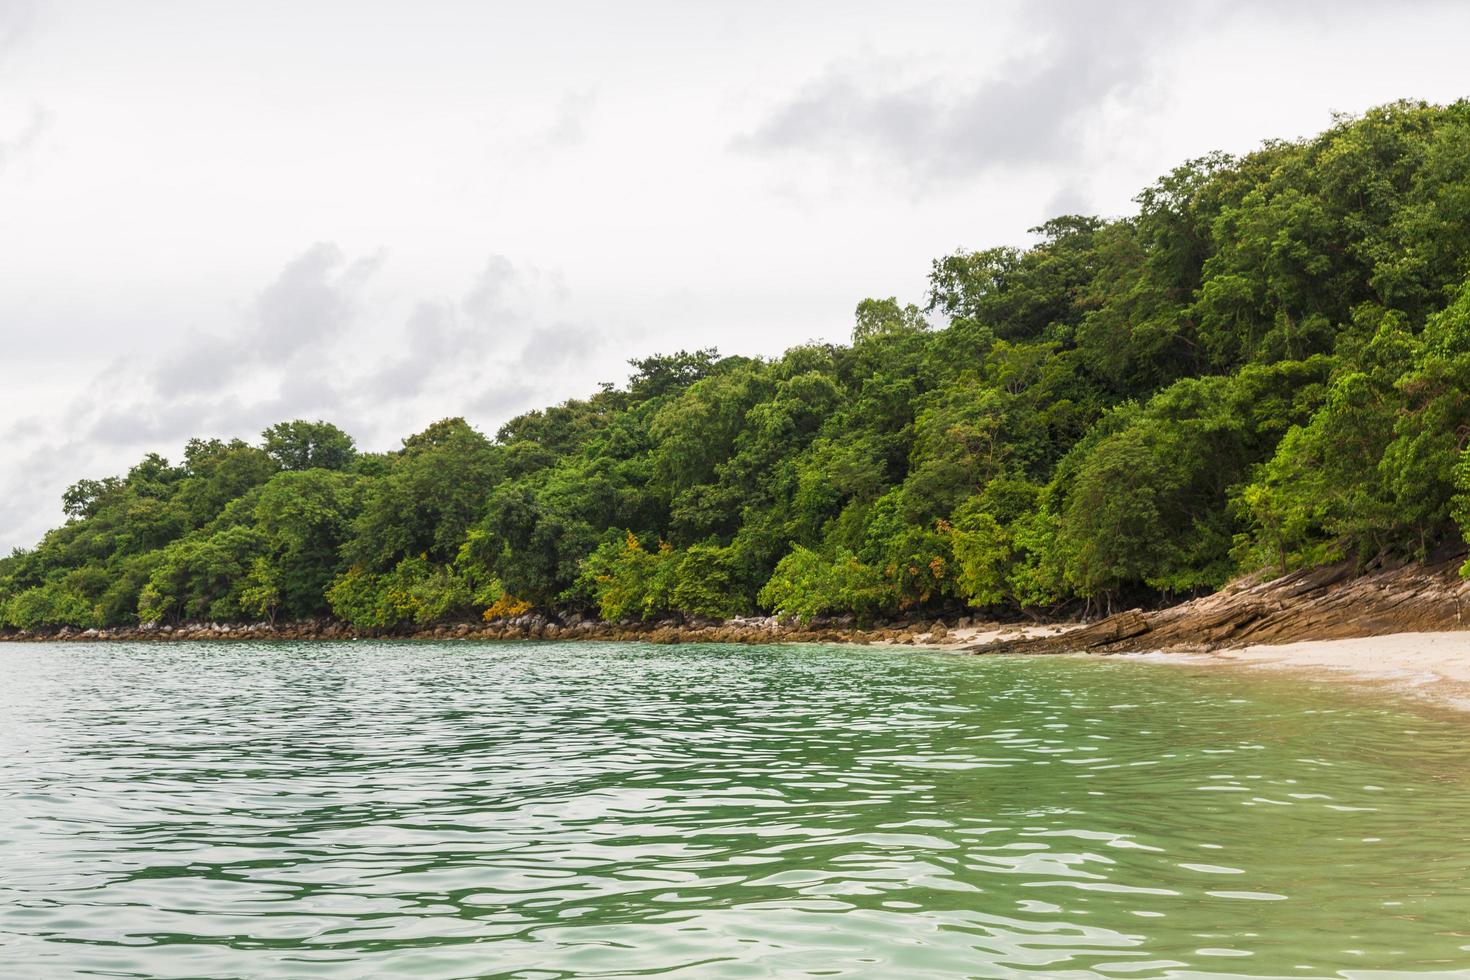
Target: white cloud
[29, 134]
[573, 115]
[16, 19]
[310, 304]
[1036, 107]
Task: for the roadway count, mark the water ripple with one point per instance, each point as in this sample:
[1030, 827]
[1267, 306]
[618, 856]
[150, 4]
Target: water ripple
[451, 810]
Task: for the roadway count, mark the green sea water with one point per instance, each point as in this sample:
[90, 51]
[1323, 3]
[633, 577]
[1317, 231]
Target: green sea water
[546, 811]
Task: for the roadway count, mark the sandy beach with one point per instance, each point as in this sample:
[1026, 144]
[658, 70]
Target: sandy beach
[1432, 666]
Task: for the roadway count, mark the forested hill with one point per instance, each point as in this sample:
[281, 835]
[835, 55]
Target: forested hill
[1267, 366]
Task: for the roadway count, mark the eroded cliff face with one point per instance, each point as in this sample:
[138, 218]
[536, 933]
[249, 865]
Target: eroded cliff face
[1328, 603]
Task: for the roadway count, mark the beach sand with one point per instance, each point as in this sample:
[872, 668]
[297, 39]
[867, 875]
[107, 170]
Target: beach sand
[1432, 666]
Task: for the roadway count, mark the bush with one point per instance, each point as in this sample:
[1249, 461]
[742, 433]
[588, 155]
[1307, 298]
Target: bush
[705, 583]
[51, 604]
[806, 585]
[630, 582]
[201, 576]
[415, 592]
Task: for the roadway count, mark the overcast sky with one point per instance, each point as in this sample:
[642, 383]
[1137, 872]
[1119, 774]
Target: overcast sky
[214, 216]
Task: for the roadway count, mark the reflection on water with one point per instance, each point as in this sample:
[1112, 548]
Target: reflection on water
[552, 810]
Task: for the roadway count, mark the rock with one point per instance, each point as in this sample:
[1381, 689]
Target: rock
[1327, 603]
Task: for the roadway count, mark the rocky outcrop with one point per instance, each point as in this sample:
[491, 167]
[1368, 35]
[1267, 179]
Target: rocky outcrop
[1328, 603]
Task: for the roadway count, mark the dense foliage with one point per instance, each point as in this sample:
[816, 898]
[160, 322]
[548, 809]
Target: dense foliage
[1268, 366]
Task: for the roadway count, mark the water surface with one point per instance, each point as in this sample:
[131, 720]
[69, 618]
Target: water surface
[544, 811]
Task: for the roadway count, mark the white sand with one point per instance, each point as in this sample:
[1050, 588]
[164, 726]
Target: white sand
[1434, 666]
[976, 635]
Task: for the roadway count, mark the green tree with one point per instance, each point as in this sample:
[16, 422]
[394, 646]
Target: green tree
[303, 445]
[878, 317]
[806, 585]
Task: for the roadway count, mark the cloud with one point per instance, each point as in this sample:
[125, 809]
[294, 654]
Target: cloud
[279, 361]
[1069, 198]
[1073, 61]
[155, 421]
[498, 294]
[292, 357]
[311, 303]
[509, 304]
[430, 339]
[1082, 78]
[505, 328]
[569, 127]
[13, 147]
[16, 20]
[31, 501]
[556, 345]
[549, 355]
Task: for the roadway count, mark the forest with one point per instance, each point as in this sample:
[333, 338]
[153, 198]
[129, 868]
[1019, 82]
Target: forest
[1265, 367]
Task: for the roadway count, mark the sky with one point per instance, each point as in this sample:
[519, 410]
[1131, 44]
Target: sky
[219, 215]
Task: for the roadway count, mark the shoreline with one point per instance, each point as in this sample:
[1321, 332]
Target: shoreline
[1431, 667]
[957, 634]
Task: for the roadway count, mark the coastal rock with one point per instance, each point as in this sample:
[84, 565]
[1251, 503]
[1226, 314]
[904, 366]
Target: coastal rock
[1328, 603]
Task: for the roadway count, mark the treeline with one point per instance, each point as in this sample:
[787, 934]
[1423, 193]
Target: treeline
[1267, 366]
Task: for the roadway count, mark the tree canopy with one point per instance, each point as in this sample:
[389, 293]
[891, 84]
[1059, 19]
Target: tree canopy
[1267, 366]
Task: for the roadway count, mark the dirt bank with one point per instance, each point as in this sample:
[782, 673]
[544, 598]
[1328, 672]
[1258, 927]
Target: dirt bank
[1329, 603]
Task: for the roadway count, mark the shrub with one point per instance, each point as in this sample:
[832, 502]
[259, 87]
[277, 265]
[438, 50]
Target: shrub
[805, 584]
[51, 604]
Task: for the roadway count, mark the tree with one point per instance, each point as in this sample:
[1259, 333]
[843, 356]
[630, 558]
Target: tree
[807, 585]
[433, 493]
[878, 317]
[261, 594]
[201, 577]
[303, 445]
[665, 374]
[85, 497]
[305, 517]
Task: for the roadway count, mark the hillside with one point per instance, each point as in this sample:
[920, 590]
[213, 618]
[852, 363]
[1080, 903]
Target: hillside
[1265, 368]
